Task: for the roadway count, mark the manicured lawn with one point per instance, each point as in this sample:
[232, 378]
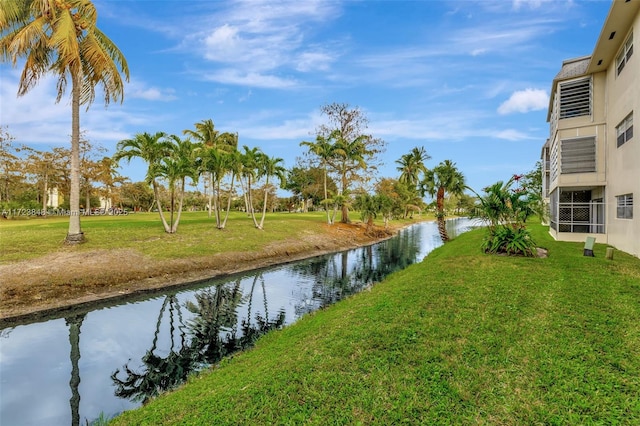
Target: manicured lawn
[197, 235]
[461, 338]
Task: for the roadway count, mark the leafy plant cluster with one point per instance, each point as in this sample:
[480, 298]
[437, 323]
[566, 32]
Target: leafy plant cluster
[505, 210]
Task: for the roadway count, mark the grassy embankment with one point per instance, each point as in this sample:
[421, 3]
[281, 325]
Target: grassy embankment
[463, 338]
[28, 238]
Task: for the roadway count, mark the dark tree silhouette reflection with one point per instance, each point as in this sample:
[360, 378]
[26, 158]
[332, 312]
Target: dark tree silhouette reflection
[209, 336]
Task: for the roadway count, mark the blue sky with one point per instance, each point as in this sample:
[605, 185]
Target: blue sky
[468, 80]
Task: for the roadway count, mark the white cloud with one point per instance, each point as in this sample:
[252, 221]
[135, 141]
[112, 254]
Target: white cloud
[533, 4]
[314, 61]
[250, 79]
[278, 129]
[512, 135]
[139, 91]
[525, 101]
[256, 40]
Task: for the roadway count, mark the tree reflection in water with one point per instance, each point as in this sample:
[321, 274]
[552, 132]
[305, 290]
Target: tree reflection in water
[336, 278]
[212, 334]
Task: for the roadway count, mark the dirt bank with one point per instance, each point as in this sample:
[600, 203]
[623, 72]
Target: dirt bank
[63, 279]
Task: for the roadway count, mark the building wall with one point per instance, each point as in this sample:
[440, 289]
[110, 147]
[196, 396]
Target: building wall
[623, 171]
[617, 173]
[584, 126]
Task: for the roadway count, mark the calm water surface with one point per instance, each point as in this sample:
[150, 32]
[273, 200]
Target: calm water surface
[69, 371]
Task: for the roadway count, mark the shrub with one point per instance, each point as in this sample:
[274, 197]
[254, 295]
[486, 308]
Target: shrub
[505, 211]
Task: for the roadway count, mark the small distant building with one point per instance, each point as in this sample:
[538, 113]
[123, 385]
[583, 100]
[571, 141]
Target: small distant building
[105, 203]
[53, 198]
[591, 161]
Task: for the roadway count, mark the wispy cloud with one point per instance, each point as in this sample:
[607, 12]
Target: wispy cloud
[249, 78]
[513, 135]
[141, 91]
[255, 43]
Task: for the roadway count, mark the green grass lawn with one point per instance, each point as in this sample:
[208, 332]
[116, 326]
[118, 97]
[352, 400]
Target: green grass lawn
[197, 234]
[461, 338]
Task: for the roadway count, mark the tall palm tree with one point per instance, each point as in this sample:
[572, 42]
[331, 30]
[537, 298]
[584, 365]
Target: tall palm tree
[444, 178]
[175, 168]
[251, 159]
[216, 163]
[323, 149]
[205, 132]
[151, 148]
[411, 166]
[349, 156]
[61, 36]
[232, 164]
[270, 167]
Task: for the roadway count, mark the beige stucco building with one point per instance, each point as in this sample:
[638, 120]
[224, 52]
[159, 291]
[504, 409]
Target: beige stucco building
[591, 161]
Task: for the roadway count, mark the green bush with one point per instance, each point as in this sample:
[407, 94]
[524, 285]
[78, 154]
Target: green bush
[505, 211]
[509, 240]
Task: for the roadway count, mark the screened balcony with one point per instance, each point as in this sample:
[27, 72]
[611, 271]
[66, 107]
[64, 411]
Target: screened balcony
[578, 210]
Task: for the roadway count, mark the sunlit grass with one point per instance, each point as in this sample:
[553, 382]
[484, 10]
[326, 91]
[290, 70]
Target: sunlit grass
[197, 234]
[461, 338]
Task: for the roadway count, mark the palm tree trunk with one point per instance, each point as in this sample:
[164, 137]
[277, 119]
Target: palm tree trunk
[326, 204]
[157, 200]
[345, 209]
[226, 215]
[250, 203]
[174, 227]
[74, 234]
[244, 196]
[442, 225]
[210, 193]
[173, 194]
[264, 205]
[216, 203]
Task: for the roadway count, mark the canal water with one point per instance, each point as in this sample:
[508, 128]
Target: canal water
[100, 361]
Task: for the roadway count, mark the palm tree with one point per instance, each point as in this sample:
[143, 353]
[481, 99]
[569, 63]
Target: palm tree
[369, 206]
[216, 162]
[152, 149]
[206, 134]
[444, 178]
[251, 159]
[62, 37]
[270, 166]
[349, 156]
[175, 168]
[411, 166]
[215, 146]
[235, 167]
[322, 148]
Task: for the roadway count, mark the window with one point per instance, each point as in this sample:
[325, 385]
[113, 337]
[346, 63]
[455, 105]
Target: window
[625, 54]
[575, 98]
[578, 155]
[624, 130]
[624, 206]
